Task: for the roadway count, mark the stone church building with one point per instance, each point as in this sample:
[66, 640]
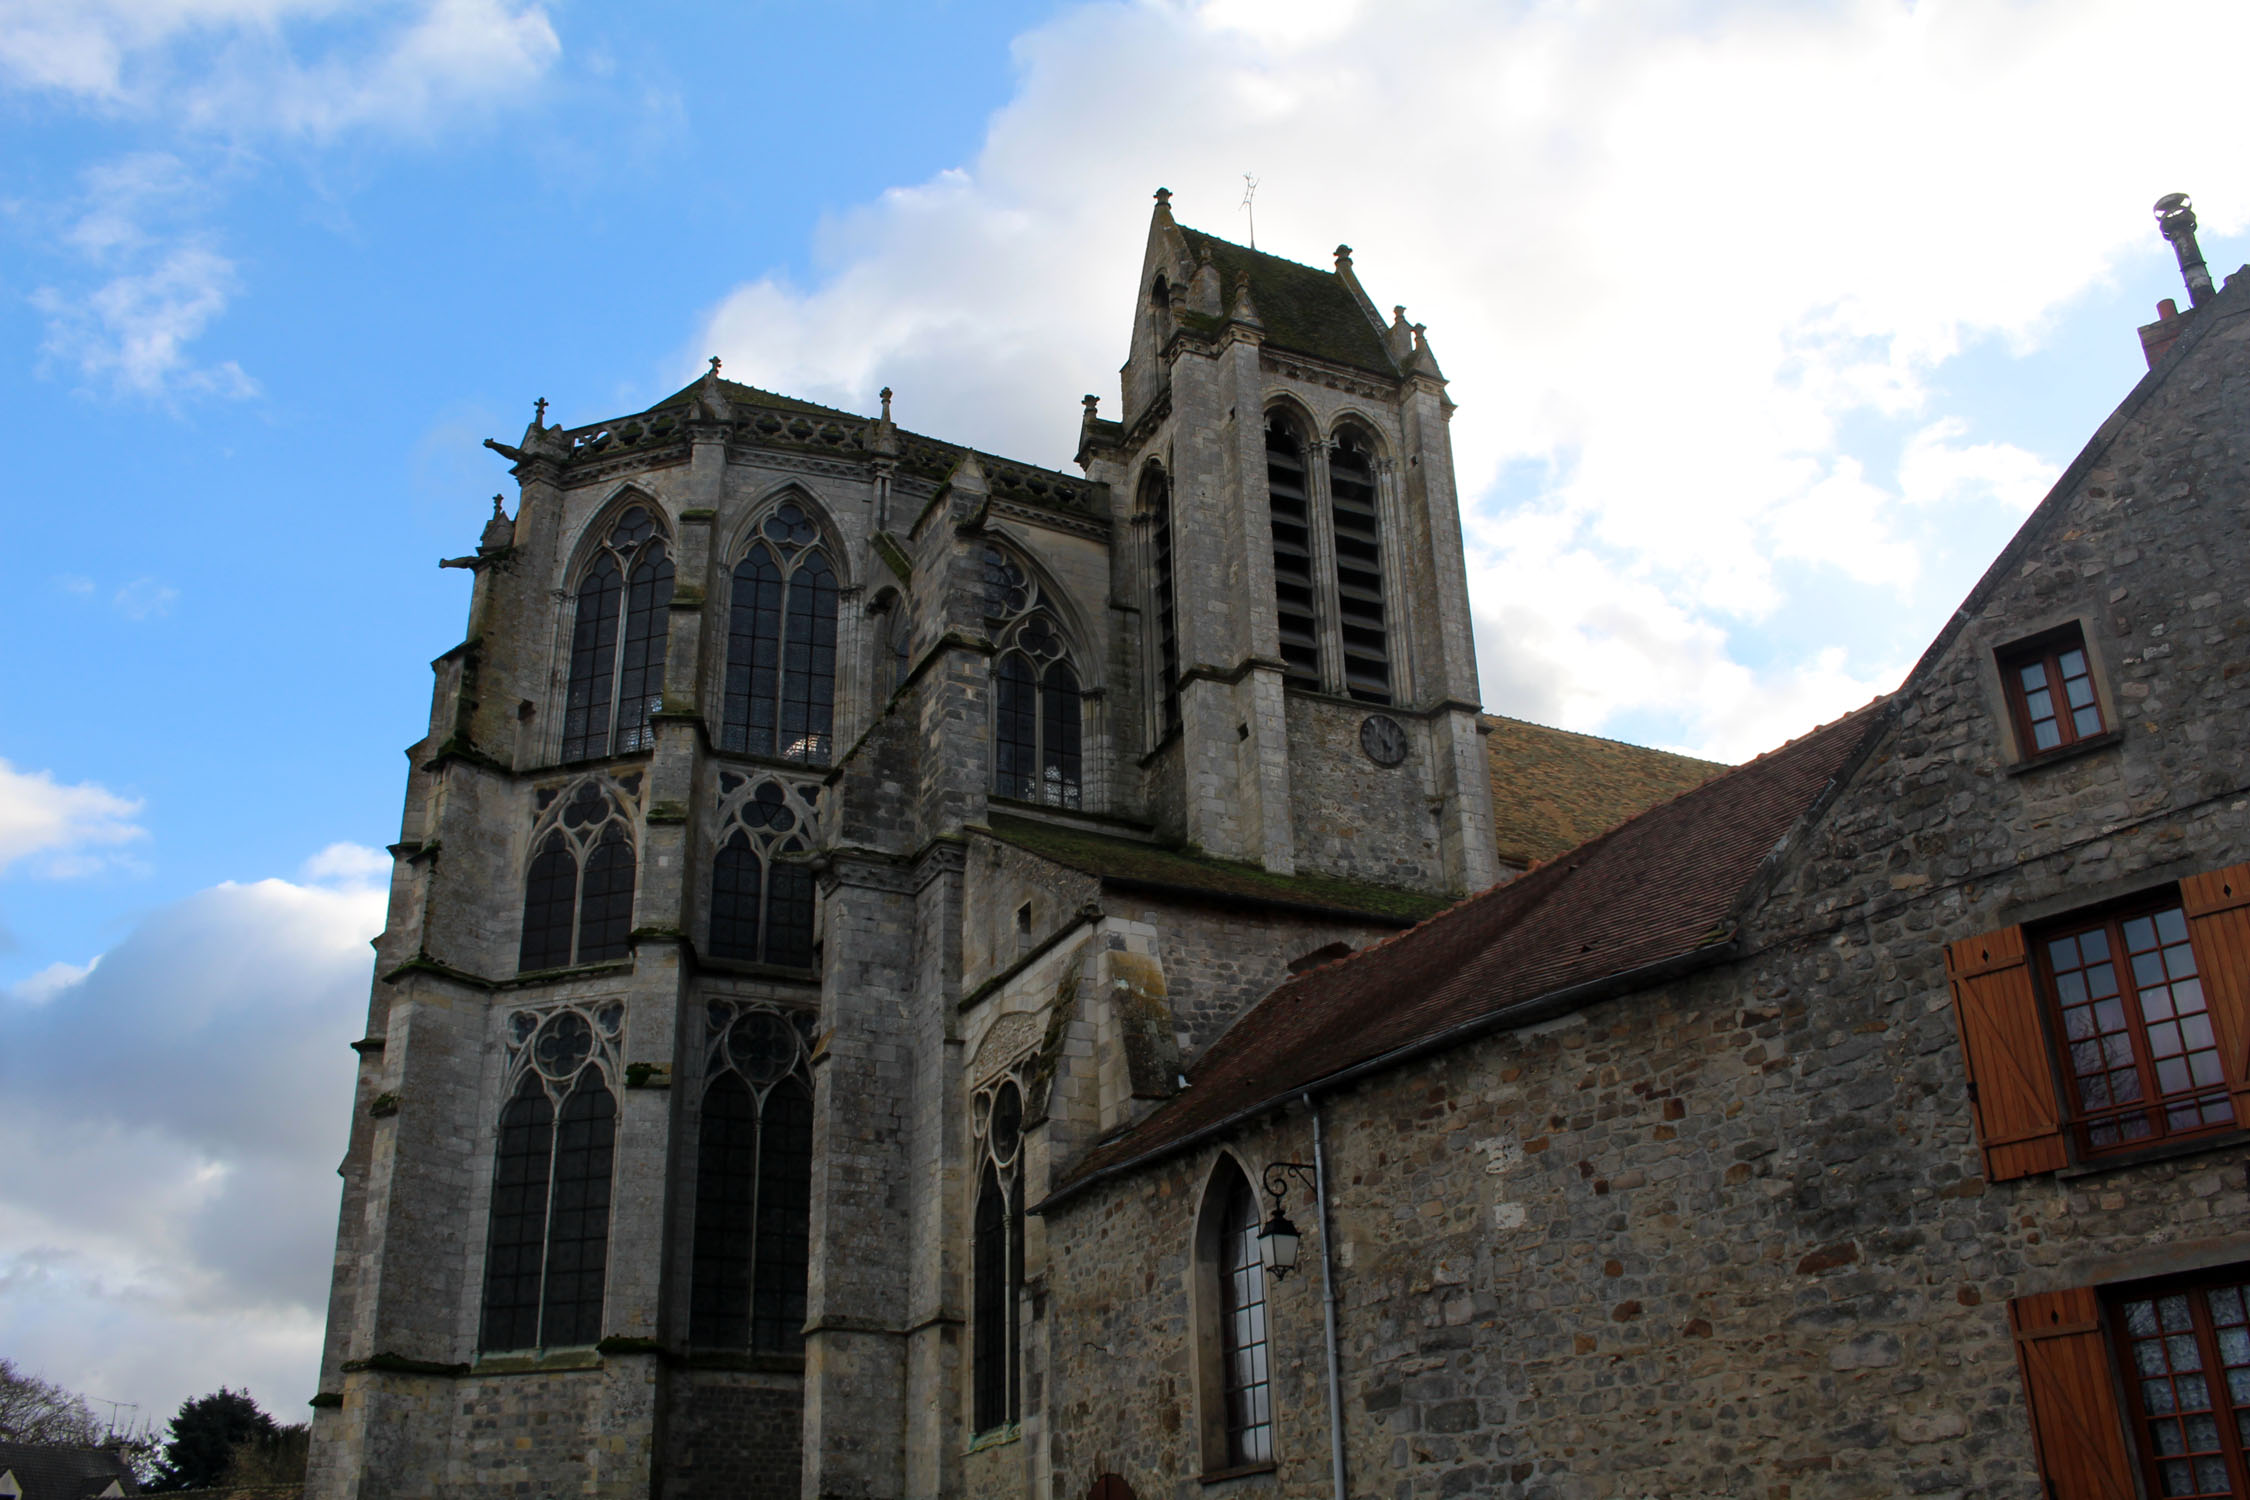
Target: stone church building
[910, 974]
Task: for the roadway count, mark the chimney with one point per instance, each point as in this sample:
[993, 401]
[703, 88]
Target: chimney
[2158, 337]
[2175, 216]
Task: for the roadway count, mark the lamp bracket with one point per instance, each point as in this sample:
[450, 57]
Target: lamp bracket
[1277, 1177]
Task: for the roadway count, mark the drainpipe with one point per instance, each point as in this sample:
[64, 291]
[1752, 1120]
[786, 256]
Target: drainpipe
[1328, 1302]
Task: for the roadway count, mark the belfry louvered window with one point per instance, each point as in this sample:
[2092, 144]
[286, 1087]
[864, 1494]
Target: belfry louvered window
[1360, 615]
[1164, 620]
[997, 1248]
[762, 891]
[781, 644]
[547, 1244]
[1037, 717]
[617, 642]
[753, 1184]
[1289, 494]
[578, 891]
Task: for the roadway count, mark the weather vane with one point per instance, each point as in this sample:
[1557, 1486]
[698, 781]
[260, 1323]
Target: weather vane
[1250, 191]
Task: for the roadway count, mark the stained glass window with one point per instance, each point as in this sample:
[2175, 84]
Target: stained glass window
[753, 1188]
[617, 642]
[550, 906]
[515, 1245]
[781, 645]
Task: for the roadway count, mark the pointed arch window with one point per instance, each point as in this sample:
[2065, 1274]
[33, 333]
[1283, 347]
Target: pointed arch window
[617, 641]
[578, 892]
[781, 644]
[753, 1193]
[1037, 702]
[997, 1248]
[762, 891]
[1289, 500]
[894, 655]
[547, 1243]
[1232, 1344]
[1156, 506]
[1361, 618]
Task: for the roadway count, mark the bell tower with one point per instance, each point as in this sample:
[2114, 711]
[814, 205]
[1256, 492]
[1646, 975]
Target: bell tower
[1291, 547]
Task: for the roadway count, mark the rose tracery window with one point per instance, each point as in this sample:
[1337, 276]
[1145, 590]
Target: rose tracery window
[753, 1195]
[781, 644]
[547, 1244]
[578, 892]
[617, 641]
[762, 891]
[1037, 713]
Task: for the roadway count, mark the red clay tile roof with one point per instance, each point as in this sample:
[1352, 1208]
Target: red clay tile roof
[1666, 886]
[1552, 789]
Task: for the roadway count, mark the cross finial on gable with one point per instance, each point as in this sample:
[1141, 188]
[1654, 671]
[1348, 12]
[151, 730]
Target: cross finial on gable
[539, 411]
[1163, 197]
[714, 367]
[886, 403]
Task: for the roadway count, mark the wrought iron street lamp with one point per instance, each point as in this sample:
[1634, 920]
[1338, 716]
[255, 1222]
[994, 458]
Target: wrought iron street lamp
[1278, 1239]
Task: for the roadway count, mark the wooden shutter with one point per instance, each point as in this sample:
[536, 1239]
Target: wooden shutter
[2077, 1427]
[2218, 913]
[2011, 1084]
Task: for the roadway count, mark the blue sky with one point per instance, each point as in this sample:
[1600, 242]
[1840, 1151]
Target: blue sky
[1768, 324]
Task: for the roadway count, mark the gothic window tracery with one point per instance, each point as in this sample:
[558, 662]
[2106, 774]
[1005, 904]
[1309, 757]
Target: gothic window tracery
[780, 697]
[617, 641]
[762, 890]
[753, 1197]
[997, 1251]
[547, 1244]
[578, 891]
[1037, 755]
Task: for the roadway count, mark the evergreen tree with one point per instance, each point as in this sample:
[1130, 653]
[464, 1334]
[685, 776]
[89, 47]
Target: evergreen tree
[205, 1435]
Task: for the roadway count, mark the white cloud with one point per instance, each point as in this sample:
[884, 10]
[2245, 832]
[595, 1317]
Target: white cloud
[52, 981]
[170, 1122]
[313, 68]
[159, 284]
[352, 866]
[145, 599]
[1681, 261]
[74, 829]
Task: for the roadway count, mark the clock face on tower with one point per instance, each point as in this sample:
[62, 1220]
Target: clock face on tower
[1384, 739]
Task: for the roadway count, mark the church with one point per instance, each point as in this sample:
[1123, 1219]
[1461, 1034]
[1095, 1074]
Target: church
[911, 974]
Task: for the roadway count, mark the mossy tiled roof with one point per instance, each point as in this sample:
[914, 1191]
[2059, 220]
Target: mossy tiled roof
[1552, 789]
[1304, 309]
[1129, 862]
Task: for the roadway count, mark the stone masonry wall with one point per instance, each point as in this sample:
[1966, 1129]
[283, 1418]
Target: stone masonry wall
[1731, 1235]
[1353, 817]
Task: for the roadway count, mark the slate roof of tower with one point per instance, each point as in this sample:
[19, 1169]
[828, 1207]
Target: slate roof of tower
[1136, 865]
[1663, 887]
[52, 1472]
[1553, 789]
[1303, 308]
